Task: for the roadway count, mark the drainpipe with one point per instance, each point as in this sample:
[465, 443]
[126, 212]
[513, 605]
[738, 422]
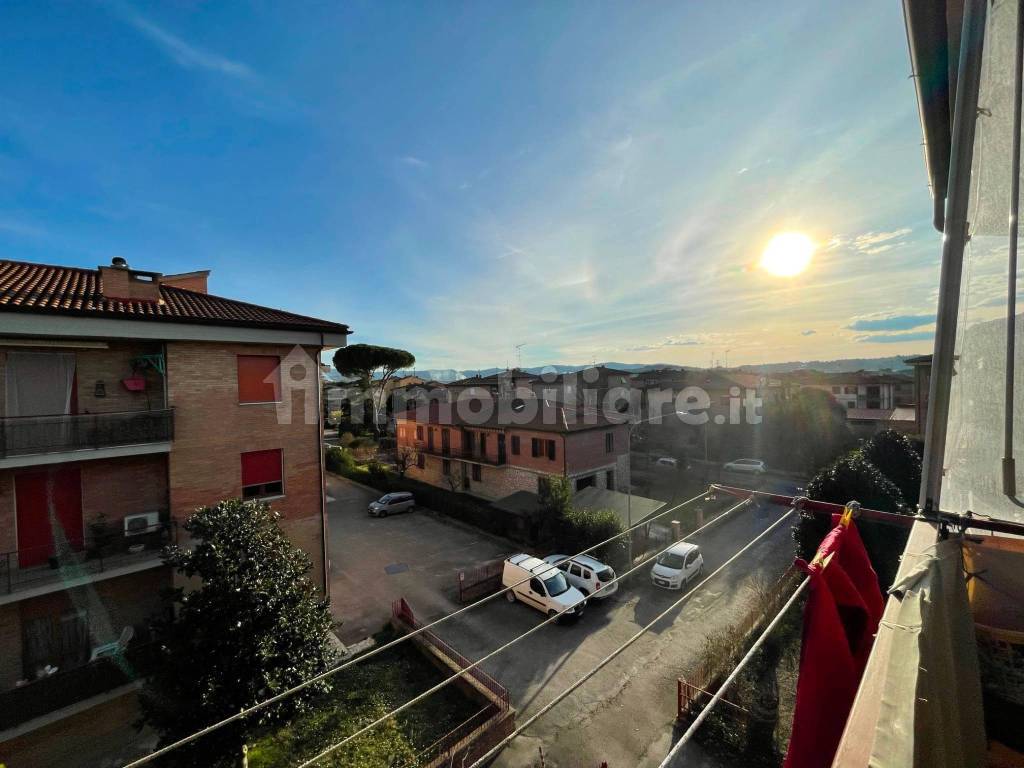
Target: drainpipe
[323, 483]
[1009, 465]
[965, 115]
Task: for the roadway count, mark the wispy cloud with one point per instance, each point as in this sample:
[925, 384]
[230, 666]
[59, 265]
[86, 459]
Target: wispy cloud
[890, 322]
[894, 338]
[413, 162]
[184, 53]
[670, 341]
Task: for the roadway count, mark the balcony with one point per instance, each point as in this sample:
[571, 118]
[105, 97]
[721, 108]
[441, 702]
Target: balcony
[460, 454]
[108, 552]
[25, 439]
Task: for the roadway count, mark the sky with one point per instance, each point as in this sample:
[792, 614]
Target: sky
[594, 181]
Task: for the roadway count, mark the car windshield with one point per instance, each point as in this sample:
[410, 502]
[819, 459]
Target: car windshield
[555, 583]
[671, 560]
[606, 574]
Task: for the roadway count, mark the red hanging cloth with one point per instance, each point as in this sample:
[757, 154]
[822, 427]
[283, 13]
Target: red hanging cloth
[840, 620]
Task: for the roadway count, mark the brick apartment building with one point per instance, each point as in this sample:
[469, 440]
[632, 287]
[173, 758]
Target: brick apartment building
[493, 458]
[127, 400]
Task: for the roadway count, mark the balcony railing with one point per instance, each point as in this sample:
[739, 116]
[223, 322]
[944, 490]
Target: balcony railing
[458, 453]
[67, 686]
[102, 552]
[28, 435]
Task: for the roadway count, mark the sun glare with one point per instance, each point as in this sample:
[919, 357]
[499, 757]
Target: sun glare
[787, 254]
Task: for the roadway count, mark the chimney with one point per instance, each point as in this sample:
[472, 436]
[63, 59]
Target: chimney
[189, 281]
[121, 282]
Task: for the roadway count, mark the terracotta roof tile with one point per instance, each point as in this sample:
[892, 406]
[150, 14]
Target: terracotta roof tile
[43, 288]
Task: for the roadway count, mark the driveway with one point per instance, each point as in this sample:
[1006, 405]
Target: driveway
[375, 561]
[625, 714]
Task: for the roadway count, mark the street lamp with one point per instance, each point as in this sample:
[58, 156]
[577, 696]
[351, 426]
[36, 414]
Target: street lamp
[629, 467]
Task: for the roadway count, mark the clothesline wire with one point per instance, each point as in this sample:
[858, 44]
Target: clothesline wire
[732, 676]
[185, 740]
[473, 665]
[608, 659]
[959, 521]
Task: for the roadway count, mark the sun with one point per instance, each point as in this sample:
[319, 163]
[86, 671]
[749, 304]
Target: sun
[787, 254]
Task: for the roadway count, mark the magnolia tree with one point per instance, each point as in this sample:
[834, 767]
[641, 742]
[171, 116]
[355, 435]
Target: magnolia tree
[250, 625]
[371, 365]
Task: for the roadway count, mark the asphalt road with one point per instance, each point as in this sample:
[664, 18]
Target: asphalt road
[625, 714]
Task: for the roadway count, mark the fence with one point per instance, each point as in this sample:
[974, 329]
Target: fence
[480, 732]
[703, 679]
[25, 435]
[475, 583]
[102, 551]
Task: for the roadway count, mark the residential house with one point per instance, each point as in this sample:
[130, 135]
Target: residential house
[502, 385]
[497, 455]
[591, 388]
[875, 390]
[127, 400]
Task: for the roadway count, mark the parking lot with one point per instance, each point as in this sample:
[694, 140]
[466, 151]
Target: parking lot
[625, 710]
[377, 560]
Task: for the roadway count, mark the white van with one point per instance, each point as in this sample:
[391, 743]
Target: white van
[588, 574]
[678, 566]
[543, 587]
[392, 504]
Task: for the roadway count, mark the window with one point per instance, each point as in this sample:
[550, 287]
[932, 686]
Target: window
[419, 433]
[586, 482]
[262, 474]
[609, 480]
[536, 587]
[835, 390]
[575, 570]
[477, 474]
[535, 447]
[483, 443]
[850, 390]
[259, 378]
[515, 445]
[551, 449]
[446, 467]
[421, 461]
[609, 442]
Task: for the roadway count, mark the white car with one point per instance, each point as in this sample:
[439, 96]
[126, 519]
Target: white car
[589, 575]
[542, 586]
[667, 462]
[678, 566]
[750, 466]
[392, 504]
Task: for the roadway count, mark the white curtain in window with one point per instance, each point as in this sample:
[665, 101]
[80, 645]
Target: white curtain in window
[39, 383]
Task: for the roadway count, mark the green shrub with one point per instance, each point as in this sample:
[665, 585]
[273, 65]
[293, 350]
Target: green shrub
[346, 438]
[583, 528]
[897, 457]
[339, 460]
[377, 476]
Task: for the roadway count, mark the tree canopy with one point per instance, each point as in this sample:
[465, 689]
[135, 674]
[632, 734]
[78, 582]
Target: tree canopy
[251, 627]
[804, 432]
[363, 361]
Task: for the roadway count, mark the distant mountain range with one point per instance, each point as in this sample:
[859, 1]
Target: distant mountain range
[827, 366]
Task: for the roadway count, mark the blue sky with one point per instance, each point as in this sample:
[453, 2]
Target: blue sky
[593, 180]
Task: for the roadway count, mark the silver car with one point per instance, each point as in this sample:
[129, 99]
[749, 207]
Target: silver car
[588, 574]
[392, 504]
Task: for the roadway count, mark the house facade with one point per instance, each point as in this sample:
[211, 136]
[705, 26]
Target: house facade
[491, 459]
[127, 400]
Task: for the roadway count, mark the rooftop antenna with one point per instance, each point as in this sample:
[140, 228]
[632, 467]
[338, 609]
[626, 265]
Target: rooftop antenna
[519, 354]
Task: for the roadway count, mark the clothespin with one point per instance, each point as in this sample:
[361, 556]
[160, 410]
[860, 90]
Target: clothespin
[851, 511]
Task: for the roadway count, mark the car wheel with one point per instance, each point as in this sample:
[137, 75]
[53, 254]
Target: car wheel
[382, 513]
[552, 613]
[510, 596]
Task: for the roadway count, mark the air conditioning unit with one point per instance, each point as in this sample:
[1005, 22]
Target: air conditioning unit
[145, 522]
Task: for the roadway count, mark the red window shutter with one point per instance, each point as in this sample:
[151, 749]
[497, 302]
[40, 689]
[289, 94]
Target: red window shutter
[260, 467]
[259, 378]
